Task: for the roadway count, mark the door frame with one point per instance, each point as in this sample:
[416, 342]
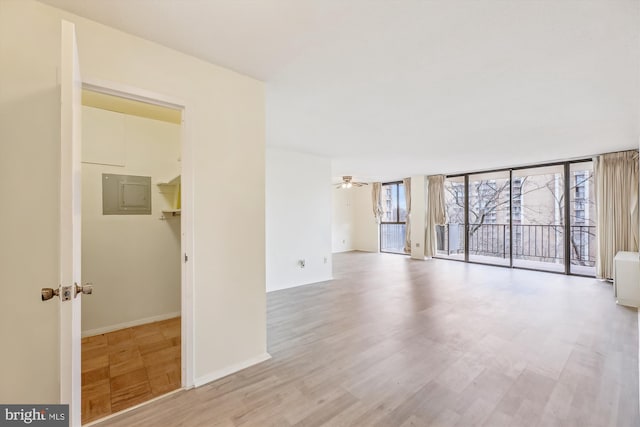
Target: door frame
[186, 217]
[70, 318]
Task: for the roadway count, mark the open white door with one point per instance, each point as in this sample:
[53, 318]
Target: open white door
[70, 210]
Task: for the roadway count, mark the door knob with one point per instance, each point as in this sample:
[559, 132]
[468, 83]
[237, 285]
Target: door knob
[64, 292]
[86, 289]
[48, 293]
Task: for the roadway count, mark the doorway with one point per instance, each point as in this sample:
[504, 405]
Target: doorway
[131, 252]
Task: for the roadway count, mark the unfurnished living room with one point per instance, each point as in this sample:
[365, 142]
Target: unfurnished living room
[320, 213]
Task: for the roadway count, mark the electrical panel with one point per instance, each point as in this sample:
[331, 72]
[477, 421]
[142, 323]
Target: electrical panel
[126, 194]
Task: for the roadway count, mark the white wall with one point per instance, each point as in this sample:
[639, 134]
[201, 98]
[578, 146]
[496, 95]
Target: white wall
[418, 215]
[225, 127]
[298, 219]
[133, 261]
[353, 226]
[367, 231]
[343, 228]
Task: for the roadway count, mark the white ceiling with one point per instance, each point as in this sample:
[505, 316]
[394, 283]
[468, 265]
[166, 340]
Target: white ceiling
[395, 88]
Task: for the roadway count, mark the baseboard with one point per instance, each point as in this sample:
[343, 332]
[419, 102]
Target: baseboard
[138, 322]
[627, 302]
[221, 373]
[297, 285]
[132, 408]
[639, 358]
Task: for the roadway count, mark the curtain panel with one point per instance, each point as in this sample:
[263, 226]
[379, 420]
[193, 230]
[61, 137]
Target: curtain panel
[407, 195]
[376, 198]
[616, 186]
[436, 214]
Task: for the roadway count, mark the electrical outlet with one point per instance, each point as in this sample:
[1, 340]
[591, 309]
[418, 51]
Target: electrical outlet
[417, 245]
[301, 263]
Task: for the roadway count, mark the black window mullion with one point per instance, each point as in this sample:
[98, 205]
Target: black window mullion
[398, 202]
[466, 218]
[567, 218]
[511, 218]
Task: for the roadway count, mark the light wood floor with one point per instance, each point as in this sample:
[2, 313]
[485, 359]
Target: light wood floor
[123, 368]
[395, 342]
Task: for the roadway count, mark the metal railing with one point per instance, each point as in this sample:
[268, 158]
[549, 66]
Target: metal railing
[392, 236]
[489, 240]
[583, 245]
[530, 241]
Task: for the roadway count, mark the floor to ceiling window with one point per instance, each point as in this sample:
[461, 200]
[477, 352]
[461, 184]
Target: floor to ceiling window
[488, 224]
[450, 243]
[582, 213]
[394, 215]
[540, 217]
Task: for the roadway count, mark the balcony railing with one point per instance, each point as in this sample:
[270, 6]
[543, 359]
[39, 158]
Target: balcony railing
[392, 236]
[530, 242]
[583, 245]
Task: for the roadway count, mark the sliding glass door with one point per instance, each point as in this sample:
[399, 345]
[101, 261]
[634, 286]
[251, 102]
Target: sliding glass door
[489, 224]
[451, 235]
[538, 218]
[582, 213]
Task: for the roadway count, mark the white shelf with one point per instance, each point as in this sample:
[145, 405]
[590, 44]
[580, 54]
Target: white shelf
[172, 181]
[170, 190]
[171, 212]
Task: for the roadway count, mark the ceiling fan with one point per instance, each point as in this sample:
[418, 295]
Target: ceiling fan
[347, 182]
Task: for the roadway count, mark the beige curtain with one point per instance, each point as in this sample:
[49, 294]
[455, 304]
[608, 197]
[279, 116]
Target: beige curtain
[376, 198]
[407, 196]
[616, 186]
[435, 213]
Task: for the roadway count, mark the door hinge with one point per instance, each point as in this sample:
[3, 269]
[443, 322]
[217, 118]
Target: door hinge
[186, 258]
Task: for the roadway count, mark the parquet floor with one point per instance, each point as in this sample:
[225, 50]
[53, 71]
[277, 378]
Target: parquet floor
[393, 342]
[123, 368]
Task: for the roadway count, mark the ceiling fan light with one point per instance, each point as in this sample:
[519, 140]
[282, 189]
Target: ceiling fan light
[344, 185]
[348, 185]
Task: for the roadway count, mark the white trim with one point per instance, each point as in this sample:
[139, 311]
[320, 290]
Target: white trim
[186, 219]
[138, 322]
[627, 302]
[139, 405]
[221, 373]
[129, 92]
[187, 229]
[70, 312]
[639, 358]
[297, 285]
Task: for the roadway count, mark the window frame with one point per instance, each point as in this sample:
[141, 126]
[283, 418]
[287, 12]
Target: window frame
[397, 196]
[567, 206]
